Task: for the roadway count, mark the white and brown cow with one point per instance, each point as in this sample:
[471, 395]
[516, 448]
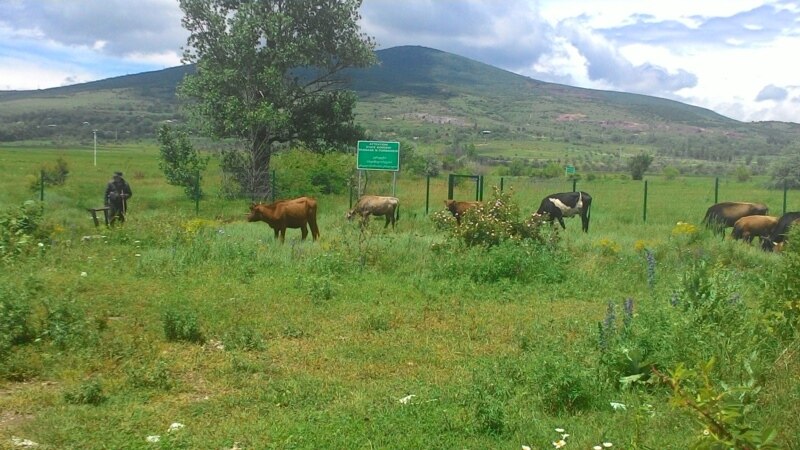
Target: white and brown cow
[376, 205]
[566, 204]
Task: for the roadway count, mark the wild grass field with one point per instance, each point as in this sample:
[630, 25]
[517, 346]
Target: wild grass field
[179, 330]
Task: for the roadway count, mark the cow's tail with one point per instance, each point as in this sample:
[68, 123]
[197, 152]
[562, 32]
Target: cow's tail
[397, 213]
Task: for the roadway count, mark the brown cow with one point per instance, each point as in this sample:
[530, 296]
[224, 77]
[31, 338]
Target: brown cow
[749, 227]
[723, 215]
[376, 205]
[283, 214]
[459, 208]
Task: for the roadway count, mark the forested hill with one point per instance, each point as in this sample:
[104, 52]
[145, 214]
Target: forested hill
[421, 93]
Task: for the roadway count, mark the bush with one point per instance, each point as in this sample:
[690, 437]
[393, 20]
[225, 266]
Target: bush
[14, 326]
[65, 325]
[50, 175]
[781, 303]
[182, 326]
[90, 392]
[19, 229]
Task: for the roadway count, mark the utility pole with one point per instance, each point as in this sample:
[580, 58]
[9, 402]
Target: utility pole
[95, 147]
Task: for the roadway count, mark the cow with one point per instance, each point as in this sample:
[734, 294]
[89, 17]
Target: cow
[458, 209]
[749, 227]
[777, 238]
[376, 205]
[295, 213]
[566, 204]
[723, 215]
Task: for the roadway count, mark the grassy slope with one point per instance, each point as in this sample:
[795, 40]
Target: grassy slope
[342, 342]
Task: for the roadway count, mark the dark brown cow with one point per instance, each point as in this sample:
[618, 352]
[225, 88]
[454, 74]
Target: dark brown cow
[749, 227]
[458, 208]
[724, 215]
[777, 238]
[283, 214]
[376, 205]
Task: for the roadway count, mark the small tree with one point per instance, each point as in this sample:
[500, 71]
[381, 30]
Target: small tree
[639, 164]
[181, 163]
[786, 172]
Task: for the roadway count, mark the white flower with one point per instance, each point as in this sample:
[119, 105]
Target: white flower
[564, 436]
[607, 444]
[407, 399]
[597, 447]
[84, 274]
[137, 255]
[559, 444]
[41, 245]
[175, 426]
[154, 438]
[525, 447]
[618, 406]
[559, 430]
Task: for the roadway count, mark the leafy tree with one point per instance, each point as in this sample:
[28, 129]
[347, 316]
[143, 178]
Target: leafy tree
[268, 73]
[181, 163]
[742, 173]
[786, 172]
[639, 164]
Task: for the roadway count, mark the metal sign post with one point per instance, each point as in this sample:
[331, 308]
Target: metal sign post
[378, 155]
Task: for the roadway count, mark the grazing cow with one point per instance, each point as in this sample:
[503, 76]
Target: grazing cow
[458, 209]
[749, 227]
[725, 214]
[376, 205]
[283, 214]
[566, 204]
[777, 238]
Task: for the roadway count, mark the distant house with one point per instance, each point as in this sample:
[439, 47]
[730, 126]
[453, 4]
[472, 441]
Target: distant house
[485, 132]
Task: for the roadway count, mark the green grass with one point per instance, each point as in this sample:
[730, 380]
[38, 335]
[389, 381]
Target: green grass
[312, 345]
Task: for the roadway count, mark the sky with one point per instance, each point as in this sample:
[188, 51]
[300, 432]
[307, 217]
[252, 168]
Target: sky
[735, 57]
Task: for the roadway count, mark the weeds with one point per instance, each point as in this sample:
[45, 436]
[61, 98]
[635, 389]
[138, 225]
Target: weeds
[182, 325]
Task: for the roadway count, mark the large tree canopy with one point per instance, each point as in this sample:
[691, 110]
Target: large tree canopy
[268, 72]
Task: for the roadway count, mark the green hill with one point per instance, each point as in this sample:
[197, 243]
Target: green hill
[434, 98]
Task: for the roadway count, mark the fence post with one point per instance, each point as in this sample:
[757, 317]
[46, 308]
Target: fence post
[644, 214]
[427, 193]
[574, 183]
[785, 188]
[450, 186]
[716, 190]
[41, 186]
[501, 184]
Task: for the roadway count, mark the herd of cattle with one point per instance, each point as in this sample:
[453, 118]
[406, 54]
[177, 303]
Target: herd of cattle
[747, 219]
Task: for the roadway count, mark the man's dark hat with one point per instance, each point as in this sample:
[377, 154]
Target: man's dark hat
[117, 174]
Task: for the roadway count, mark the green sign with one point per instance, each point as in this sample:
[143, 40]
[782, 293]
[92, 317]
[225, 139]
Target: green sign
[570, 170]
[378, 155]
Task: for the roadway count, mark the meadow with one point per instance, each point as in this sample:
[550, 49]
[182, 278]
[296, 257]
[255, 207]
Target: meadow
[185, 330]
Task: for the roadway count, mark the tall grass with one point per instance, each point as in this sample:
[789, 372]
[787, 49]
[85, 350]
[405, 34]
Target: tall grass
[315, 344]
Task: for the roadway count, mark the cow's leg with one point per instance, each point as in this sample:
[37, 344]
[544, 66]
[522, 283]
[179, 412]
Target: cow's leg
[585, 222]
[304, 232]
[561, 222]
[388, 219]
[277, 233]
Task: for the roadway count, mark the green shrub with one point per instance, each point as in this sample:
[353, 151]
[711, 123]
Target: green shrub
[51, 174]
[781, 302]
[182, 325]
[244, 338]
[149, 375]
[89, 392]
[19, 229]
[517, 262]
[15, 328]
[564, 387]
[66, 325]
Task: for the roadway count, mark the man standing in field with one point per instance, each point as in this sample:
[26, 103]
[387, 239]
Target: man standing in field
[117, 194]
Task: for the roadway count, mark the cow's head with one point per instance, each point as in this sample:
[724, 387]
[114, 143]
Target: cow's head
[350, 214]
[255, 213]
